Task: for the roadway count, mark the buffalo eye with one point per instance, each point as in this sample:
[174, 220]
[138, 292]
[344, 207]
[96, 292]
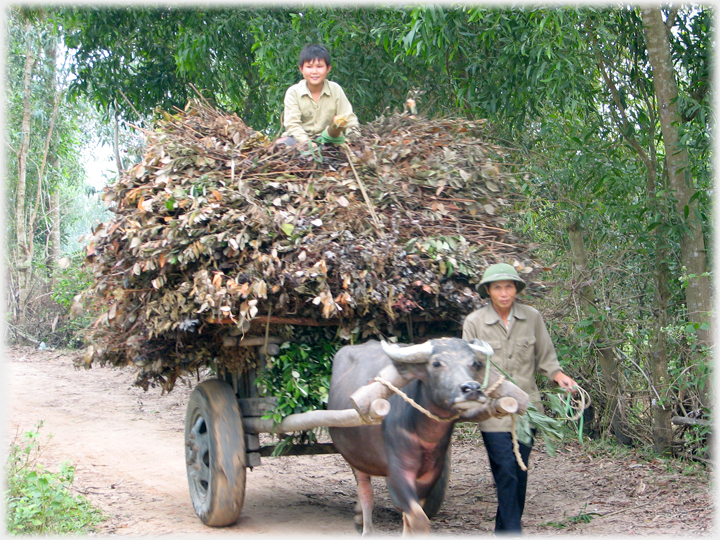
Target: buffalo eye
[477, 365]
[436, 364]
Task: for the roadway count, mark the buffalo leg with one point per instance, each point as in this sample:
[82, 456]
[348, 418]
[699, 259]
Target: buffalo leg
[366, 502]
[402, 484]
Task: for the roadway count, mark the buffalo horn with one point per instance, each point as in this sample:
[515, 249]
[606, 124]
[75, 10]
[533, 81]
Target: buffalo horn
[414, 354]
[481, 347]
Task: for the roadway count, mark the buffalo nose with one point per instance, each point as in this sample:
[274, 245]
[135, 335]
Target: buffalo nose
[470, 389]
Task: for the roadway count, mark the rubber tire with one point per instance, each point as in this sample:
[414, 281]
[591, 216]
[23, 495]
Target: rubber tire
[215, 453]
[437, 493]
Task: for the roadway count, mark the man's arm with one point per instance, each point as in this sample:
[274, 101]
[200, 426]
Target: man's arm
[547, 361]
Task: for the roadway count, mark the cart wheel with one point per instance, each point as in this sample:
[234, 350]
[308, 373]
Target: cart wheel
[215, 453]
[437, 493]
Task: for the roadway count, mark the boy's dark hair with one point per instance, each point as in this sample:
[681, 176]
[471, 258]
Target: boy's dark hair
[314, 52]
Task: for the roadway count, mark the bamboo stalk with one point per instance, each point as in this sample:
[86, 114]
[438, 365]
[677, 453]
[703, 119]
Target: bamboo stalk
[337, 127]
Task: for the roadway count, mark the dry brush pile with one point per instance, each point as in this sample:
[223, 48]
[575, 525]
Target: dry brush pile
[216, 232]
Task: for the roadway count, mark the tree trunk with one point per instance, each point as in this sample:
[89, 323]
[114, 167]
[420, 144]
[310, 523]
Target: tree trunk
[55, 247]
[661, 427]
[694, 257]
[116, 146]
[608, 365]
[23, 255]
[662, 411]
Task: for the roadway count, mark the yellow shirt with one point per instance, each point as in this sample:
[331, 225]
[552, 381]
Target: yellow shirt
[304, 118]
[523, 349]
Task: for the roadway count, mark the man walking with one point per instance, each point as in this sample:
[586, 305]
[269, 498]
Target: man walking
[523, 347]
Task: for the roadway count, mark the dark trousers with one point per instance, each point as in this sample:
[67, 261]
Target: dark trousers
[510, 480]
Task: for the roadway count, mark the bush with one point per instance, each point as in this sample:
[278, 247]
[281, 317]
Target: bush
[299, 377]
[39, 501]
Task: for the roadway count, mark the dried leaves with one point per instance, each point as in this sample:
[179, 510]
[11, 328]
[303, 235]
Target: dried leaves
[216, 226]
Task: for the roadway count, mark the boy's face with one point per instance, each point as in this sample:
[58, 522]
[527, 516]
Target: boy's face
[315, 72]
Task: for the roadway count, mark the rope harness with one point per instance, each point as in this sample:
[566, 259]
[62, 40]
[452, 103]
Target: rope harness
[495, 386]
[412, 402]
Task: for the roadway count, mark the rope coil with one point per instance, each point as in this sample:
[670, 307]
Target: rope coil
[577, 404]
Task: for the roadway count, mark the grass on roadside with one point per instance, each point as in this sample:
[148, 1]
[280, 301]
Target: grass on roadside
[38, 501]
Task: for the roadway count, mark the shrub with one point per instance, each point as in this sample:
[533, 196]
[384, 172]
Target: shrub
[39, 501]
[299, 377]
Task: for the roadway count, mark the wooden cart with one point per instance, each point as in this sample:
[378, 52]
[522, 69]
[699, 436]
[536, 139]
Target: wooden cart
[224, 420]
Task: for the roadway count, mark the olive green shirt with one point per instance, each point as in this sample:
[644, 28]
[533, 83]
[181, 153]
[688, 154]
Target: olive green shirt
[520, 351]
[304, 118]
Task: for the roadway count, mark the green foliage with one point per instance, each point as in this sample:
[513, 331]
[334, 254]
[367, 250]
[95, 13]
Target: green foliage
[69, 135]
[243, 59]
[71, 281]
[299, 377]
[581, 517]
[550, 429]
[450, 252]
[39, 501]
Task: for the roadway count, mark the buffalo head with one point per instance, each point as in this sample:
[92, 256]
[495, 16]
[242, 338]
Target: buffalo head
[450, 369]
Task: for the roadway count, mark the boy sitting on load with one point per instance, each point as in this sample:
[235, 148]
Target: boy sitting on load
[311, 104]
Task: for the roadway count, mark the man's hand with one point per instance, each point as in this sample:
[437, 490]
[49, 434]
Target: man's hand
[563, 381]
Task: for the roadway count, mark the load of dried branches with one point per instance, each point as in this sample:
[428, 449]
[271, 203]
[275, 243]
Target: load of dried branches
[217, 233]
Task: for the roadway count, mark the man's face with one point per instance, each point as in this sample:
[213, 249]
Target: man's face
[315, 72]
[502, 293]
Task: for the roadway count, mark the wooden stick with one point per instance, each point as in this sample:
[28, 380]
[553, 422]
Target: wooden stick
[682, 420]
[301, 450]
[364, 396]
[250, 341]
[371, 209]
[378, 410]
[501, 406]
[508, 389]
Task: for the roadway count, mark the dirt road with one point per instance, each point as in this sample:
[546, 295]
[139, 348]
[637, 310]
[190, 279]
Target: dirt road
[127, 446]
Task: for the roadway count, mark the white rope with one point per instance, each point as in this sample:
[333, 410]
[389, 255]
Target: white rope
[516, 446]
[413, 403]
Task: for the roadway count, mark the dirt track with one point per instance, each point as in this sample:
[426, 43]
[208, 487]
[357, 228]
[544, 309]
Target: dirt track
[127, 446]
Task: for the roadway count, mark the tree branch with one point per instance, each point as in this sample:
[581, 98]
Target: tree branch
[632, 141]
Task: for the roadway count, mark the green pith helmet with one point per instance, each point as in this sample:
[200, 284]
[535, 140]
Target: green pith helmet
[500, 272]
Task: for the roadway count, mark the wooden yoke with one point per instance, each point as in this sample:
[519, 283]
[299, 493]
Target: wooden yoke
[496, 407]
[377, 410]
[363, 397]
[337, 127]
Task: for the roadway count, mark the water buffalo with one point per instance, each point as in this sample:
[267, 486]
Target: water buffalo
[410, 447]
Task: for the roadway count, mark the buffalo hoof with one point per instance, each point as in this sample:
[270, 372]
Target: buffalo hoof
[415, 522]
